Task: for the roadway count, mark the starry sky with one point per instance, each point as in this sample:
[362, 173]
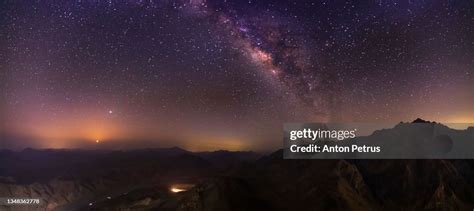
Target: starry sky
[208, 74]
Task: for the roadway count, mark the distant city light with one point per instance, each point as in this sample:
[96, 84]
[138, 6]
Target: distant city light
[177, 190]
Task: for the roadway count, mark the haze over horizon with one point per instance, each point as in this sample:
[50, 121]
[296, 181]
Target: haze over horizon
[206, 75]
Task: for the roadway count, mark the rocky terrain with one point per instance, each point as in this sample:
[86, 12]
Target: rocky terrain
[74, 178]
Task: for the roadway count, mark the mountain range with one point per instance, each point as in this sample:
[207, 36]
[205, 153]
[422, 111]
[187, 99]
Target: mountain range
[224, 180]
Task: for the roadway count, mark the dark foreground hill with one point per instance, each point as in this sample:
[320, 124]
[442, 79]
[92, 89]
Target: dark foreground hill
[272, 183]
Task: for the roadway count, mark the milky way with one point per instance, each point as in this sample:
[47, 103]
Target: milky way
[226, 74]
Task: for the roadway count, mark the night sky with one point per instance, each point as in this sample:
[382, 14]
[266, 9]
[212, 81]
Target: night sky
[208, 75]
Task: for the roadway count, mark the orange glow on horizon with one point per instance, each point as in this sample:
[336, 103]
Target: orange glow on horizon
[68, 129]
[215, 142]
